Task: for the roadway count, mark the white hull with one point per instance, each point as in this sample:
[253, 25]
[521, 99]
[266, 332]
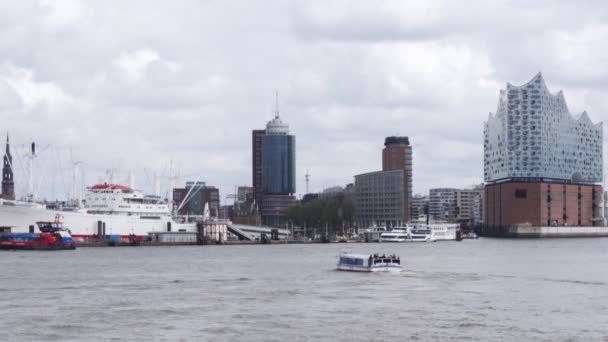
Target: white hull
[83, 225]
[369, 269]
[393, 240]
[425, 239]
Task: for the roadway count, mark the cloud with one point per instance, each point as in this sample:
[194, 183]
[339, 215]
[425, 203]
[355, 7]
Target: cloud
[130, 85]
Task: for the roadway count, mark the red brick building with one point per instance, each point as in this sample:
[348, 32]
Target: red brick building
[541, 203]
[397, 155]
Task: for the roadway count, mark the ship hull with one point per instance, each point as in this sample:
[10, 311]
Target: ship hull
[85, 226]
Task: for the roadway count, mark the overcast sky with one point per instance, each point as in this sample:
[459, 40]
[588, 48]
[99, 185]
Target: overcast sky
[132, 84]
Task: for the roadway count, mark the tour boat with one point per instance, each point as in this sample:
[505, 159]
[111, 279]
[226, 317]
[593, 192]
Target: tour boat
[368, 262]
[52, 236]
[444, 231]
[395, 235]
[420, 235]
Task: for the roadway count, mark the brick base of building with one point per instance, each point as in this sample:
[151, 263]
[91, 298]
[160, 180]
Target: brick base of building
[540, 203]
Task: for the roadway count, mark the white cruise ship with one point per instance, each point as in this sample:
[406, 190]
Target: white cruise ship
[444, 231]
[395, 235]
[115, 211]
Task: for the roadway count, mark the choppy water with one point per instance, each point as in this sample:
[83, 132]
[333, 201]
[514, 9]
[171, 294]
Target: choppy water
[484, 290]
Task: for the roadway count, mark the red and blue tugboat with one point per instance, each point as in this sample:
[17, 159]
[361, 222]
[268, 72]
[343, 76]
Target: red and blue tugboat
[52, 236]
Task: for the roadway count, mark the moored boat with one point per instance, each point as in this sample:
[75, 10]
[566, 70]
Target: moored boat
[395, 235]
[368, 262]
[444, 231]
[421, 235]
[52, 236]
[123, 211]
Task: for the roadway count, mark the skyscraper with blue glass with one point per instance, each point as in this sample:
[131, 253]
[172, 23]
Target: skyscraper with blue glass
[278, 159]
[277, 184]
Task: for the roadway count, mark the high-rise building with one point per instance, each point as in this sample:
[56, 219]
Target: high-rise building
[278, 158]
[384, 197]
[397, 155]
[274, 170]
[8, 184]
[256, 157]
[542, 166]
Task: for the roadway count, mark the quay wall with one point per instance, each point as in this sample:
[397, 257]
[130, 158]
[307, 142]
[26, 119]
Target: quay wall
[544, 232]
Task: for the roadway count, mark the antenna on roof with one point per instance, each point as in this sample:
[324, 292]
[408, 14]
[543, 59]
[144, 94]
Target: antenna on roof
[276, 110]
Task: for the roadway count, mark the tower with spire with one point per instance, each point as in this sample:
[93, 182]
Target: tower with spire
[274, 169]
[8, 185]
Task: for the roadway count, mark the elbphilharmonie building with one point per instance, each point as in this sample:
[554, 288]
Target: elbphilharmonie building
[542, 165]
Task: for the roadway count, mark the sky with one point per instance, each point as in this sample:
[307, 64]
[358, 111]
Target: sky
[129, 86]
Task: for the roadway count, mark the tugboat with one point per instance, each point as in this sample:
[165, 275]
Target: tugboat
[52, 236]
[368, 262]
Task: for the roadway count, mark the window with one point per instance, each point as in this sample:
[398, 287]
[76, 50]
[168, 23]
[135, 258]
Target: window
[521, 193]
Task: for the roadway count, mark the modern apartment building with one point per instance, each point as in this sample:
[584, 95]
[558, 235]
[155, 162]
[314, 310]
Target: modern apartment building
[442, 204]
[417, 208]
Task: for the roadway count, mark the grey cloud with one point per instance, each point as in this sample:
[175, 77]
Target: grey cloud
[349, 73]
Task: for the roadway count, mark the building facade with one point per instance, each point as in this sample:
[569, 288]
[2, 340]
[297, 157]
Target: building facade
[419, 207]
[8, 184]
[442, 204]
[274, 171]
[397, 155]
[278, 164]
[191, 199]
[469, 206]
[542, 166]
[256, 157]
[381, 199]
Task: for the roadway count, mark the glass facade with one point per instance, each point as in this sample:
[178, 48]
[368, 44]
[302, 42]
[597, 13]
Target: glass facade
[534, 135]
[279, 164]
[380, 199]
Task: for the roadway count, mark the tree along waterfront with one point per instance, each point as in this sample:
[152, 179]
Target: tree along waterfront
[325, 216]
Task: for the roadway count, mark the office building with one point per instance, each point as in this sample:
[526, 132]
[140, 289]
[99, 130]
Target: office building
[442, 204]
[418, 208]
[274, 170]
[469, 206]
[256, 157]
[397, 155]
[384, 197]
[381, 199]
[191, 199]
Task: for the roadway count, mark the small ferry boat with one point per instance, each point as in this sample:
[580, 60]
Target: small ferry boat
[395, 235]
[52, 236]
[368, 262]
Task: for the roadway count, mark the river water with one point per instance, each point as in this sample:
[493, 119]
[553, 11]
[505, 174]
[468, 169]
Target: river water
[475, 290]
